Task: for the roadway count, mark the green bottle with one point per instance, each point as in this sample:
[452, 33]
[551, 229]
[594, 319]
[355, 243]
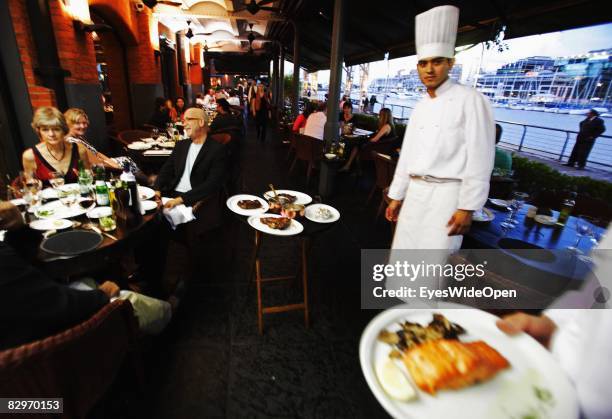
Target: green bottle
[102, 195]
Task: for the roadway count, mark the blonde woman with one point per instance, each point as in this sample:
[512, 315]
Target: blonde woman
[385, 133]
[78, 123]
[54, 153]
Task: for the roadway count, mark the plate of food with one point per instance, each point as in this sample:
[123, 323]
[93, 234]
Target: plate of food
[44, 225]
[293, 197]
[55, 210]
[483, 215]
[321, 213]
[167, 144]
[275, 224]
[50, 193]
[547, 220]
[145, 192]
[139, 145]
[244, 204]
[450, 363]
[499, 203]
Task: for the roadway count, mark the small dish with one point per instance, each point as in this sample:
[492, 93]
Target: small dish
[500, 203]
[148, 205]
[99, 212]
[330, 156]
[546, 220]
[46, 224]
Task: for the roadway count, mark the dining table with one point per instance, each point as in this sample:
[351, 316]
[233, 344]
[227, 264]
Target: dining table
[539, 255]
[113, 245]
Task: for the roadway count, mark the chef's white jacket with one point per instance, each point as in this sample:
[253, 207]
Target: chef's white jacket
[450, 136]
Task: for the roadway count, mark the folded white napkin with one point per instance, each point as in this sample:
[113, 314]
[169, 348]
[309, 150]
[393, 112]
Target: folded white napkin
[178, 215]
[157, 152]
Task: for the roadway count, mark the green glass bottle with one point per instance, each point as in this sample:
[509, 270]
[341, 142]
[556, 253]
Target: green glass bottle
[102, 195]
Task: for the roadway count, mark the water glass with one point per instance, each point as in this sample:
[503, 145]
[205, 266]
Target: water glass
[68, 197]
[56, 180]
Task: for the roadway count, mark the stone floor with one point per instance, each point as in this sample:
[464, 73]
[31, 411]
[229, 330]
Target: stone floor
[212, 362]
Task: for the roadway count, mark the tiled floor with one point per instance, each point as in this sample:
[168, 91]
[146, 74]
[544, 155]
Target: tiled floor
[213, 363]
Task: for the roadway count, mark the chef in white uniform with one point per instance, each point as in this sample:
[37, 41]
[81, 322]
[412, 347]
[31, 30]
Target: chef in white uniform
[447, 155]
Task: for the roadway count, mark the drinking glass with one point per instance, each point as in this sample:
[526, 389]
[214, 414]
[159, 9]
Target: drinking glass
[583, 229]
[56, 180]
[88, 200]
[516, 203]
[68, 197]
[155, 133]
[30, 188]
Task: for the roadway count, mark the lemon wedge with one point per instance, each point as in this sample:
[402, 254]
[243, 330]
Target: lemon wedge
[394, 381]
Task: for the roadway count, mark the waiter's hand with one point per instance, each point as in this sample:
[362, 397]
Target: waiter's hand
[173, 203]
[109, 288]
[541, 328]
[460, 222]
[393, 210]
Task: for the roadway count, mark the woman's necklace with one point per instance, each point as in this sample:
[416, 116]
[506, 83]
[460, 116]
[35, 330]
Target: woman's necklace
[52, 155]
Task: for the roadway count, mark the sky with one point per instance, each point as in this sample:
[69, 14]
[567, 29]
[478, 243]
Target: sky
[554, 44]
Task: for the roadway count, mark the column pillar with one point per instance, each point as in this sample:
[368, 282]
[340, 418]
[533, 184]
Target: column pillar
[335, 79]
[281, 74]
[296, 70]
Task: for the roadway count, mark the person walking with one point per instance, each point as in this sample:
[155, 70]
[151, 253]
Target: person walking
[590, 128]
[446, 160]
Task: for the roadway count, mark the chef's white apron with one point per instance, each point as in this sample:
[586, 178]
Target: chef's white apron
[423, 218]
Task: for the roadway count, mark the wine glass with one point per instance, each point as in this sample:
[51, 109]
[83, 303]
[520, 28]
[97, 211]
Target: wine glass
[583, 229]
[155, 133]
[88, 200]
[56, 180]
[515, 204]
[31, 187]
[68, 197]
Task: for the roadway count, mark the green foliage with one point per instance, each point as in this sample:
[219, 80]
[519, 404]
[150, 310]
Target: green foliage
[536, 176]
[288, 87]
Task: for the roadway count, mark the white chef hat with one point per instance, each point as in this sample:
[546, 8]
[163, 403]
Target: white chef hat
[436, 32]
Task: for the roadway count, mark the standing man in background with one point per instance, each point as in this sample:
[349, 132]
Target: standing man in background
[447, 156]
[591, 128]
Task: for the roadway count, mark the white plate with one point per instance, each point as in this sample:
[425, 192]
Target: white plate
[547, 220]
[145, 193]
[509, 394]
[139, 145]
[232, 204]
[44, 225]
[98, 212]
[302, 198]
[499, 203]
[50, 193]
[18, 201]
[148, 205]
[311, 211]
[168, 144]
[59, 210]
[147, 140]
[483, 215]
[294, 228]
[330, 156]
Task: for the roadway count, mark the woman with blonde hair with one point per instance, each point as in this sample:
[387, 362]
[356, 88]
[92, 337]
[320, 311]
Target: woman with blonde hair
[78, 123]
[384, 135]
[54, 153]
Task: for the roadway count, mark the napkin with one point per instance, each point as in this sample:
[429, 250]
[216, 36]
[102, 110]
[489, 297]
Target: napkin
[157, 152]
[177, 215]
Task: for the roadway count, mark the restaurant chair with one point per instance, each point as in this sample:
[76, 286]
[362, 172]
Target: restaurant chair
[129, 136]
[79, 364]
[309, 150]
[384, 167]
[292, 144]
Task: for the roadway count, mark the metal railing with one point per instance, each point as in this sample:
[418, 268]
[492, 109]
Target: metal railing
[547, 142]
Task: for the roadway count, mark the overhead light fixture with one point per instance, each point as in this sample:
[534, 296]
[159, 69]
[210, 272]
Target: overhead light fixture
[81, 19]
[189, 33]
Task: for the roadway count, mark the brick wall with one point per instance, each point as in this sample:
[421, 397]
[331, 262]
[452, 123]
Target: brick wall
[39, 95]
[143, 67]
[74, 48]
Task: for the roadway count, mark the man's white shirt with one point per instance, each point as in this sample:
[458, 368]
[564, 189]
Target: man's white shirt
[450, 136]
[184, 184]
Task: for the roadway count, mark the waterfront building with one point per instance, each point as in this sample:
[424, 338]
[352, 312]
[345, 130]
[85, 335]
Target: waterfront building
[580, 80]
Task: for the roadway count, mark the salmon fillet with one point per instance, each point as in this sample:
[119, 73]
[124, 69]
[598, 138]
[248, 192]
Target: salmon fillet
[450, 364]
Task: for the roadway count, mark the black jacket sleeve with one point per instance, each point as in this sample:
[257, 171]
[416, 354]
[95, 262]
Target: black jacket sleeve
[33, 306]
[165, 178]
[214, 180]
